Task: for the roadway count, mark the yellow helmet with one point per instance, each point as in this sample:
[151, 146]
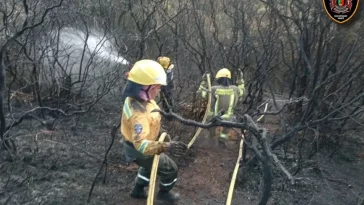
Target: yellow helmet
[165, 62]
[147, 72]
[223, 73]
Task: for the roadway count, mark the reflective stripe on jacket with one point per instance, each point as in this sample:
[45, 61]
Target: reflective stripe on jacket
[223, 98]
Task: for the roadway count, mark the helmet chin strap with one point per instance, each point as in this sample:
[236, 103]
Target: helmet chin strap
[147, 91]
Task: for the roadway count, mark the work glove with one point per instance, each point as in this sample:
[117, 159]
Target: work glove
[241, 74]
[241, 77]
[176, 148]
[204, 79]
[204, 75]
[240, 82]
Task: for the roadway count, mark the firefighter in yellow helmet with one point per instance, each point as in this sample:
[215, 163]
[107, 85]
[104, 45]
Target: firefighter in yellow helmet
[167, 91]
[224, 97]
[140, 128]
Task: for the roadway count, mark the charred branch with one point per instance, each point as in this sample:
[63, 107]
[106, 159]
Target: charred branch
[265, 156]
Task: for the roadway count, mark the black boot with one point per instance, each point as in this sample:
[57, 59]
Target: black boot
[138, 192]
[167, 196]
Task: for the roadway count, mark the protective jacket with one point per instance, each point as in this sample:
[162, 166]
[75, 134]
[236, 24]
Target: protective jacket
[140, 126]
[223, 98]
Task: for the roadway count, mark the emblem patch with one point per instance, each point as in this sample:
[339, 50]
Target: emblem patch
[138, 128]
[340, 11]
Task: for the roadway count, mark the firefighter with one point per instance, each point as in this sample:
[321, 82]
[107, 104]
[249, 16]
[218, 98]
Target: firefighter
[224, 97]
[167, 91]
[140, 128]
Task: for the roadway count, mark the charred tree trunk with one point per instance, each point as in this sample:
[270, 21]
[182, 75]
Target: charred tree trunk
[267, 179]
[2, 87]
[5, 142]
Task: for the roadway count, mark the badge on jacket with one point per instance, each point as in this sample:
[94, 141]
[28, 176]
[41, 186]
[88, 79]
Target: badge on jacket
[138, 128]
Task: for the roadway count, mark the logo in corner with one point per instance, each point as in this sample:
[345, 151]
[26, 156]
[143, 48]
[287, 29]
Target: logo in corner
[340, 11]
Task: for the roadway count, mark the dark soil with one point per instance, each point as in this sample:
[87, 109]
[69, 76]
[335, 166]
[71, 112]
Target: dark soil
[59, 168]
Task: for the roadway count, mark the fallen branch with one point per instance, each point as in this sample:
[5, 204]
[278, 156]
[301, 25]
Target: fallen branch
[104, 163]
[48, 124]
[275, 158]
[74, 146]
[212, 123]
[264, 155]
[284, 170]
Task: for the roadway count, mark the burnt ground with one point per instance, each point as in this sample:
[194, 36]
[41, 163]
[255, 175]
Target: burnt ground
[59, 168]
